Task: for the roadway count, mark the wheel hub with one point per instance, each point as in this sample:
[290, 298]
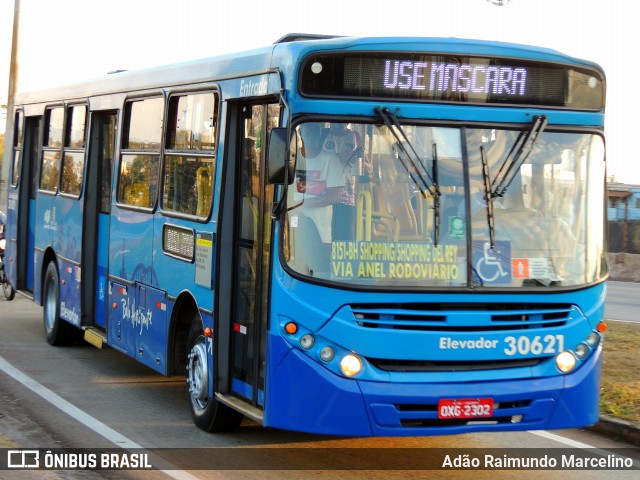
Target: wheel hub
[198, 373]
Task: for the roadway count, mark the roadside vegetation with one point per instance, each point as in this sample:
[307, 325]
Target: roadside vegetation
[620, 387]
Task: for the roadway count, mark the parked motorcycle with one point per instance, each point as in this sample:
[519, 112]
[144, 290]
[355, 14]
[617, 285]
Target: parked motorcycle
[7, 288]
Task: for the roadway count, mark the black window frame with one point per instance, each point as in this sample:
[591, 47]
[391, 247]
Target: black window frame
[67, 148]
[170, 151]
[48, 148]
[155, 153]
[18, 148]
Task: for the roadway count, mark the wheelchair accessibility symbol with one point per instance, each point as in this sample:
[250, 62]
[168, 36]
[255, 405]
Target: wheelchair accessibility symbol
[492, 265]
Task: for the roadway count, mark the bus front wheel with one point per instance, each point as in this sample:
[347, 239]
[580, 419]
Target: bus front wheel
[208, 413]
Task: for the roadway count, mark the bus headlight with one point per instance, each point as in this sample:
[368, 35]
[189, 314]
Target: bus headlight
[593, 339]
[327, 354]
[582, 351]
[350, 365]
[565, 361]
[307, 341]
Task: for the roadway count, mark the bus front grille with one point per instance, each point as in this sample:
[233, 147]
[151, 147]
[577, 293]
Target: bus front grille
[415, 415]
[448, 366]
[456, 317]
[436, 422]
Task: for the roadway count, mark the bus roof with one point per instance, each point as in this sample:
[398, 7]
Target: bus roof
[284, 51]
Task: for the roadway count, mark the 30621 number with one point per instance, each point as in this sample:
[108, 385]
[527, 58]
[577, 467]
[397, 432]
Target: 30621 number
[537, 345]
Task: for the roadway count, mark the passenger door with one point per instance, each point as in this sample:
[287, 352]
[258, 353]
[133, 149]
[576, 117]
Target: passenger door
[95, 245]
[24, 191]
[251, 260]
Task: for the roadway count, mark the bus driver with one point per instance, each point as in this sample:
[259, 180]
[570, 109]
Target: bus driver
[319, 177]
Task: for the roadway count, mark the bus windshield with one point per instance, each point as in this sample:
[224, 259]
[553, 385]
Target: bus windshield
[431, 206]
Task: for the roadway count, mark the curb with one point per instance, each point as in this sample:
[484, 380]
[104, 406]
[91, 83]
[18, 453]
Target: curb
[619, 429]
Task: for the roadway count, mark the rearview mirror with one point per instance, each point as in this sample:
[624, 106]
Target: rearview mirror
[281, 156]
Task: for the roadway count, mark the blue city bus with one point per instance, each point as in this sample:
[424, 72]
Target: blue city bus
[346, 236]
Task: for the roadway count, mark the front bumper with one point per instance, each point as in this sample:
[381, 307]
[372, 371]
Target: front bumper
[304, 396]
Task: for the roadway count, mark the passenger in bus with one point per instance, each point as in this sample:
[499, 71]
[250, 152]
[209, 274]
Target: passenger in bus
[319, 177]
[348, 148]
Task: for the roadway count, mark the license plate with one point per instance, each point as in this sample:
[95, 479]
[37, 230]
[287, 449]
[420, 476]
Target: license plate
[465, 408]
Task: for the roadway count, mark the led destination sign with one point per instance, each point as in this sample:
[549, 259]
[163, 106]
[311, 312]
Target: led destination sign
[445, 77]
[438, 78]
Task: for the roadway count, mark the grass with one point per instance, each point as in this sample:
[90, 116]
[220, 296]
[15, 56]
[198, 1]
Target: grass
[620, 387]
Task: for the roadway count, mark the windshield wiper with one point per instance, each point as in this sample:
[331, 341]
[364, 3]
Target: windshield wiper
[487, 196]
[503, 179]
[413, 165]
[520, 156]
[392, 123]
[436, 198]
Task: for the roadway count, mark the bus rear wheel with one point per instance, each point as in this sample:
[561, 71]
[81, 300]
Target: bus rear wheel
[57, 331]
[208, 413]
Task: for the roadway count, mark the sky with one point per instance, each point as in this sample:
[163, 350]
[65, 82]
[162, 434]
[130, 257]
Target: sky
[62, 41]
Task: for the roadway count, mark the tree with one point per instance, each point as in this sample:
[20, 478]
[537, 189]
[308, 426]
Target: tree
[1, 150]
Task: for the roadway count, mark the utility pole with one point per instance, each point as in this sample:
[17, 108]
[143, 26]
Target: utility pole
[8, 135]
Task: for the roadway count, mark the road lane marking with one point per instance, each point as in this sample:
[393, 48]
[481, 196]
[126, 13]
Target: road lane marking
[82, 416]
[126, 443]
[621, 321]
[559, 439]
[573, 443]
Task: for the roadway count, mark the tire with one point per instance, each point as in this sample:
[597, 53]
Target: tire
[57, 331]
[208, 413]
[7, 288]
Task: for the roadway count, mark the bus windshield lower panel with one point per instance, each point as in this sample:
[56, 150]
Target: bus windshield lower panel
[417, 206]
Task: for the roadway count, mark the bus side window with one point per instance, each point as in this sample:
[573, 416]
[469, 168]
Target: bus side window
[52, 149]
[17, 149]
[73, 161]
[190, 154]
[138, 178]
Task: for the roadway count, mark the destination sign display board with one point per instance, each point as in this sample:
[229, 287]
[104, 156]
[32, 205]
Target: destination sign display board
[439, 78]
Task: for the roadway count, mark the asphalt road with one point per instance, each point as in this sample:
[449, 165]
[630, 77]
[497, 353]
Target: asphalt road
[623, 301]
[80, 396]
